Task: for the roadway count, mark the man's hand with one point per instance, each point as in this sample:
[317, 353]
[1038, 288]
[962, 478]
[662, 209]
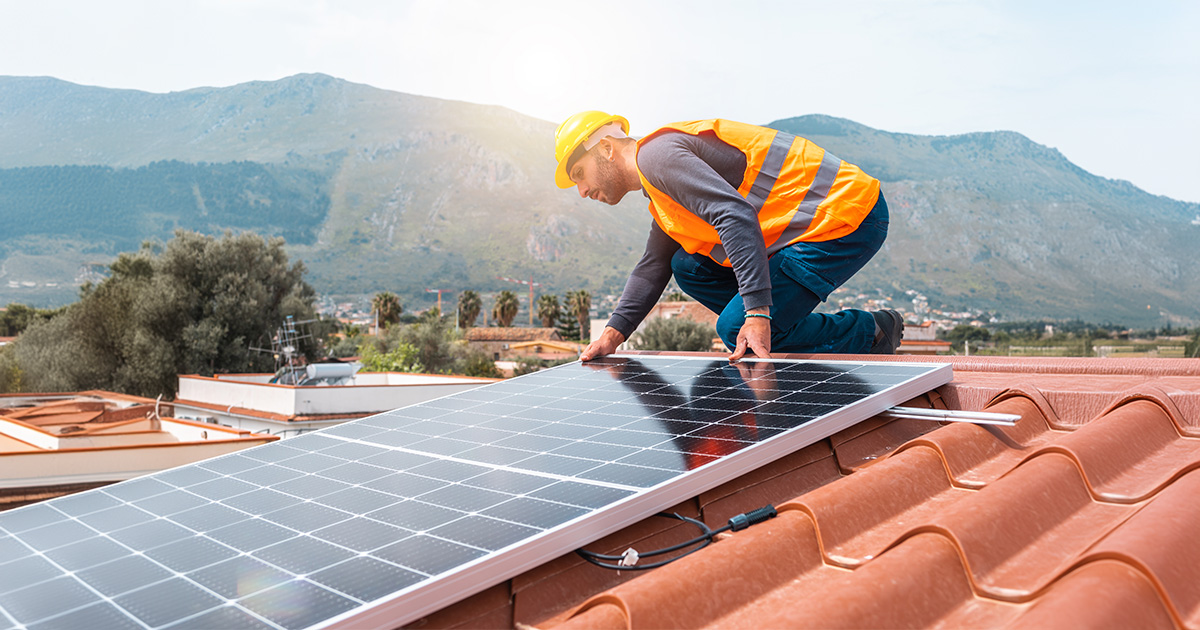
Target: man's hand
[606, 344]
[754, 336]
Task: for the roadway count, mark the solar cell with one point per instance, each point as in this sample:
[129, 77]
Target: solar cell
[384, 519]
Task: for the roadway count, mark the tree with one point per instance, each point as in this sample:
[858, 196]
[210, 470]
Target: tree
[17, 317]
[439, 348]
[11, 381]
[966, 332]
[505, 310]
[579, 305]
[196, 306]
[346, 344]
[676, 334]
[477, 363]
[469, 306]
[401, 358]
[548, 310]
[387, 309]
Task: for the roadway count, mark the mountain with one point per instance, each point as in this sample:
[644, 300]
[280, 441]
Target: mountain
[413, 192]
[381, 190]
[999, 221]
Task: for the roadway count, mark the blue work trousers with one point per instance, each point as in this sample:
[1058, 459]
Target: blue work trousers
[802, 276]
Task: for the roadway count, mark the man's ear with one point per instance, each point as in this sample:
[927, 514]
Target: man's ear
[609, 150]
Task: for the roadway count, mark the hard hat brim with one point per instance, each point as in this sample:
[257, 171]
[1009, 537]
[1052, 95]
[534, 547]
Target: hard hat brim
[560, 175]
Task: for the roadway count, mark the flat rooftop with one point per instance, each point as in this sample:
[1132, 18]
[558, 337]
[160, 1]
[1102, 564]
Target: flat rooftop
[54, 444]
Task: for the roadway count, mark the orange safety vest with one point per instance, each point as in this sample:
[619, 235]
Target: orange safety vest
[800, 191]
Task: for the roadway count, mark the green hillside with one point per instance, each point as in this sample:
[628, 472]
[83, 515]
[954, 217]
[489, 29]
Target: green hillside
[381, 190]
[127, 206]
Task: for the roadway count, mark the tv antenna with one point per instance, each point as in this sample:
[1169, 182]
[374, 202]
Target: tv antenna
[285, 348]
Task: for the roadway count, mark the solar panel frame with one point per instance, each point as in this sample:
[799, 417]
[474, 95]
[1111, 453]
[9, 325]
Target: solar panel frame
[359, 497]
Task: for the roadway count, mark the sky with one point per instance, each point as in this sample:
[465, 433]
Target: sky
[1114, 86]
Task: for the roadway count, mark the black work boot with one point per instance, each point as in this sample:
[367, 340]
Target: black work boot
[889, 330]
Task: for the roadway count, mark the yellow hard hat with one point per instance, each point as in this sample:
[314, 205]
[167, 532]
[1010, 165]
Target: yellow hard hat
[572, 134]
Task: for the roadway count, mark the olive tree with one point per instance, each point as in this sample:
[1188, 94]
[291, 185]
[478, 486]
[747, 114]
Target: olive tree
[198, 305]
[676, 334]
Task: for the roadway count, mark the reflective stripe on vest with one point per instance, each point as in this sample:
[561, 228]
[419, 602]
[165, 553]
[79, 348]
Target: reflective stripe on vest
[809, 219]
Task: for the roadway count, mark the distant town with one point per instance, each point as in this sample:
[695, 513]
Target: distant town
[968, 331]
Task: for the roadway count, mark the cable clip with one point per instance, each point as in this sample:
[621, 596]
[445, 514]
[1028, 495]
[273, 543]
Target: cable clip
[629, 558]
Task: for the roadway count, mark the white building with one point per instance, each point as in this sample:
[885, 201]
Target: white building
[250, 402]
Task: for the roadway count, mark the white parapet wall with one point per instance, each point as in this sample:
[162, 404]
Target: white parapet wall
[92, 465]
[226, 392]
[370, 393]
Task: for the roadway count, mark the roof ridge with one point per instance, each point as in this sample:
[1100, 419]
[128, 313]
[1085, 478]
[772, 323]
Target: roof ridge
[1159, 397]
[1035, 395]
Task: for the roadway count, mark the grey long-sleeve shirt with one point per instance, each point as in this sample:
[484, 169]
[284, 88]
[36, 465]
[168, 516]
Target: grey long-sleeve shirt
[702, 173]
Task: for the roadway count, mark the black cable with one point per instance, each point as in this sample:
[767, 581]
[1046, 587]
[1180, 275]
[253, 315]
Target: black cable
[737, 523]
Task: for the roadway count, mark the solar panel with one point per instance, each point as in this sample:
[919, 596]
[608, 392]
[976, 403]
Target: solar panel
[379, 521]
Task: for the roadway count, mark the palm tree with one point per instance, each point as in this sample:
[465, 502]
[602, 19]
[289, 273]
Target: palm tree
[387, 309]
[506, 308]
[548, 310]
[579, 303]
[469, 306]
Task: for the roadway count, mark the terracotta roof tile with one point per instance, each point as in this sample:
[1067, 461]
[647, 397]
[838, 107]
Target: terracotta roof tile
[1083, 514]
[869, 511]
[547, 590]
[1161, 540]
[512, 334]
[804, 470]
[1019, 532]
[976, 455]
[864, 443]
[787, 556]
[872, 597]
[694, 311]
[1151, 451]
[1100, 594]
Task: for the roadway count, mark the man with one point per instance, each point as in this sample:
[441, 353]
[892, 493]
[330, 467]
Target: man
[758, 225]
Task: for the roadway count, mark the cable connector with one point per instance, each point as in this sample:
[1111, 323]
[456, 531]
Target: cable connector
[628, 561]
[742, 521]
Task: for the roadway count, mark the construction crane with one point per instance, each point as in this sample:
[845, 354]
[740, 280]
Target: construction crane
[439, 292]
[531, 284]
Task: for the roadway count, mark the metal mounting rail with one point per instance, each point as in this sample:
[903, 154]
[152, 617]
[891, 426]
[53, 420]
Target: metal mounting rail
[974, 417]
